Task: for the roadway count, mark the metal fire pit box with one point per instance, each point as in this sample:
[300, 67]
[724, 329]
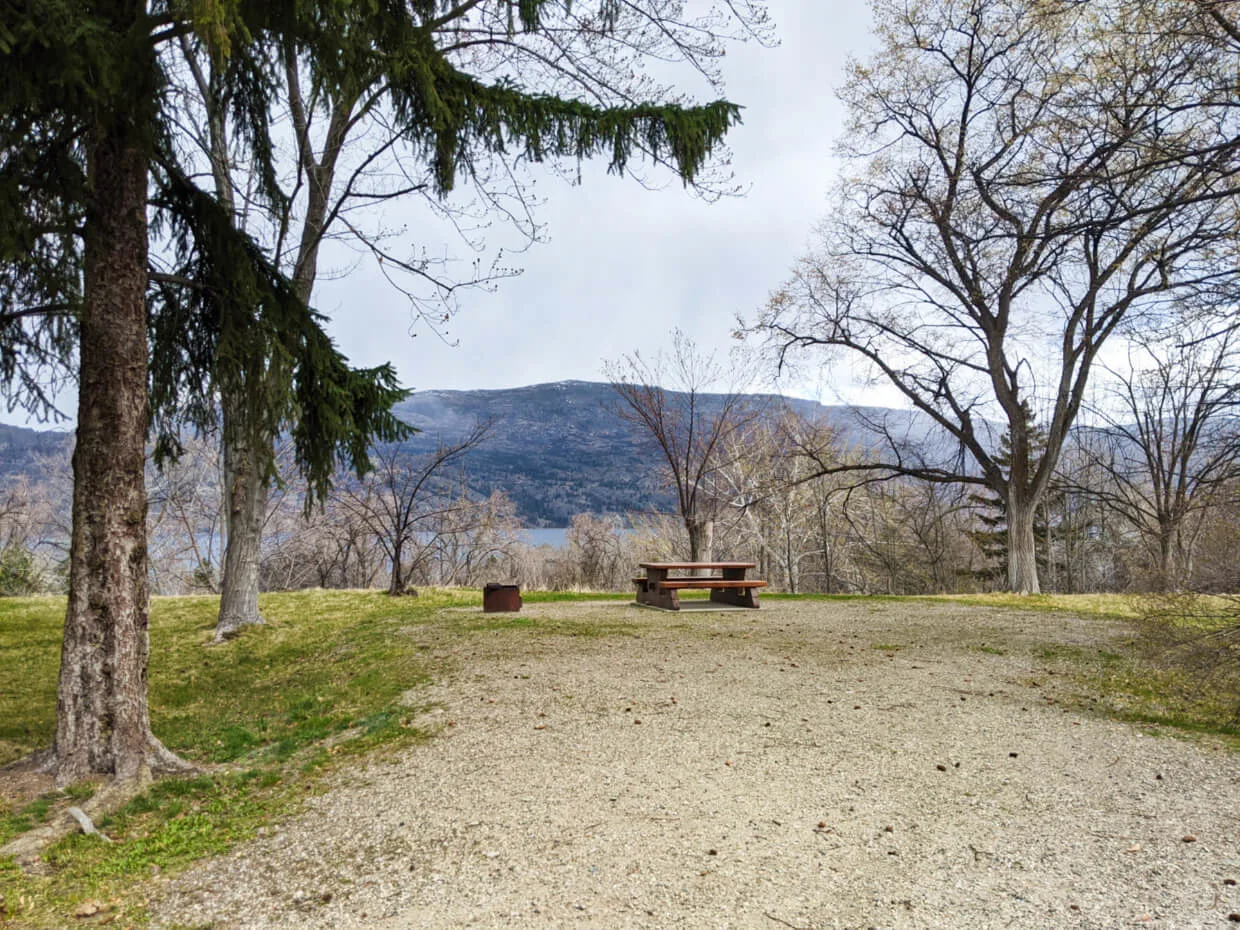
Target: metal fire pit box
[501, 598]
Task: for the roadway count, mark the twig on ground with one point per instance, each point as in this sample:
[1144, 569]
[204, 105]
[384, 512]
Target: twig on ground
[780, 920]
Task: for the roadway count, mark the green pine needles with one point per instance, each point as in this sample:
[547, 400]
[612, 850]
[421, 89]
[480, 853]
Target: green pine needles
[222, 314]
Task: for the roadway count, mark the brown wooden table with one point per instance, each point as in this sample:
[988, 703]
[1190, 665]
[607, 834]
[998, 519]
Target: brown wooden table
[726, 581]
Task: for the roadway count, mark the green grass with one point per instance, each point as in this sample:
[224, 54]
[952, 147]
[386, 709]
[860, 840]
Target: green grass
[1110, 606]
[1138, 682]
[262, 716]
[30, 634]
[555, 597]
[523, 623]
[843, 598]
[1147, 675]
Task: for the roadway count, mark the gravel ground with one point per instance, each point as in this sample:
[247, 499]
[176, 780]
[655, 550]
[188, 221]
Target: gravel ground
[810, 765]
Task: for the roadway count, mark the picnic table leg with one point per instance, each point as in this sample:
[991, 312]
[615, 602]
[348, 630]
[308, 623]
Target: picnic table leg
[668, 600]
[649, 592]
[737, 597]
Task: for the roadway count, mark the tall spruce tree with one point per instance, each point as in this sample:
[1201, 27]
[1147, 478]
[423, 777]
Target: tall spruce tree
[346, 151]
[86, 140]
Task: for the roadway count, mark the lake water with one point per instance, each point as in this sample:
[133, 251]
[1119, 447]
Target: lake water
[554, 536]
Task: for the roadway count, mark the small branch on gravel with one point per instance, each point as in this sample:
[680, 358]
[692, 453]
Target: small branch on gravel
[780, 920]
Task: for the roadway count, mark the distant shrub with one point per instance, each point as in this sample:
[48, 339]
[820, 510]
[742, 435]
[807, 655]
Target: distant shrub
[19, 572]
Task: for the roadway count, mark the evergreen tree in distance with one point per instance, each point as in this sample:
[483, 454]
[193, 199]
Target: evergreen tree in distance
[992, 539]
[86, 142]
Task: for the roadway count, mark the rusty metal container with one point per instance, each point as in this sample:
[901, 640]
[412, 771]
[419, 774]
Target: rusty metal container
[501, 598]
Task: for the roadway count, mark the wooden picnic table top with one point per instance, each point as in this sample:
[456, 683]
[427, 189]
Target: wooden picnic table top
[673, 566]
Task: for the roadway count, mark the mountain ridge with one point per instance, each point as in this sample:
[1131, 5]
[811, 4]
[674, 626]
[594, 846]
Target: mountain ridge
[557, 448]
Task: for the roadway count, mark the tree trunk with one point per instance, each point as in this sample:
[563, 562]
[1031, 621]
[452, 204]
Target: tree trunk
[824, 531]
[790, 558]
[244, 483]
[1022, 551]
[245, 474]
[102, 721]
[1168, 579]
[1052, 568]
[245, 509]
[399, 584]
[701, 541]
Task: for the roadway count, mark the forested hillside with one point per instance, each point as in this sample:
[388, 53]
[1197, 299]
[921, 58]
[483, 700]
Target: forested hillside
[557, 449]
[560, 449]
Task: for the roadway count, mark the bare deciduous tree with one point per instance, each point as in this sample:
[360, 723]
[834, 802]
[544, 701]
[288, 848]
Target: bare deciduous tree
[1025, 176]
[183, 522]
[766, 486]
[1171, 442]
[474, 540]
[687, 405]
[408, 502]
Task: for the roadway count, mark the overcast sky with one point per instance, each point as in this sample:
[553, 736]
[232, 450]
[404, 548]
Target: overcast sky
[623, 265]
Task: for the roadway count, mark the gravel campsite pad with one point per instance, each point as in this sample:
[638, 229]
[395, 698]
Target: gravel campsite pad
[813, 764]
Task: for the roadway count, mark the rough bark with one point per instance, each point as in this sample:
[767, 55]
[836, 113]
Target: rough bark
[245, 486]
[398, 586]
[701, 541]
[245, 476]
[1022, 551]
[1169, 569]
[102, 722]
[245, 490]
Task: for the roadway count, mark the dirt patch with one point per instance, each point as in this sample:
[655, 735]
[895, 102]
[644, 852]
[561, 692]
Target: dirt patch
[812, 765]
[24, 780]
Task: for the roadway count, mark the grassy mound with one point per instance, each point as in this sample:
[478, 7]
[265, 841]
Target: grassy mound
[330, 675]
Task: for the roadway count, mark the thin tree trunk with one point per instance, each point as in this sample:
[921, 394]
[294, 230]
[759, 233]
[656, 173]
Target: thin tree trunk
[790, 558]
[1052, 569]
[245, 477]
[102, 721]
[398, 586]
[245, 487]
[1167, 574]
[824, 527]
[1022, 550]
[701, 541]
[245, 490]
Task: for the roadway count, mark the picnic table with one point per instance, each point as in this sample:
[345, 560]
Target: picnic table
[726, 581]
